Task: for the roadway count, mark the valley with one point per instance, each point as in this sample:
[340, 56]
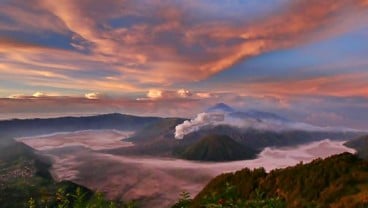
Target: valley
[153, 181]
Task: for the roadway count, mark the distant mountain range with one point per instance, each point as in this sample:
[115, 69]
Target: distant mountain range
[248, 114]
[157, 138]
[155, 135]
[37, 126]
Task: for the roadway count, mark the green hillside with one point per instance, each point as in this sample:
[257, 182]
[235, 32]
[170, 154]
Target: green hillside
[338, 181]
[217, 148]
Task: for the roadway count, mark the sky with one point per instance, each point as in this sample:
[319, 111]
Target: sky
[304, 59]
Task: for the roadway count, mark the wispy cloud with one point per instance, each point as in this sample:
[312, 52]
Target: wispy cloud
[150, 56]
[136, 38]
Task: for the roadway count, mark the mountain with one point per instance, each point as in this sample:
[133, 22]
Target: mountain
[258, 115]
[259, 139]
[25, 175]
[249, 114]
[25, 181]
[164, 127]
[220, 107]
[29, 127]
[360, 144]
[337, 181]
[217, 148]
[157, 139]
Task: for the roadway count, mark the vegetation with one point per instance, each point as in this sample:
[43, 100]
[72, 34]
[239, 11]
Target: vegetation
[338, 181]
[360, 145]
[230, 198]
[217, 148]
[78, 199]
[26, 182]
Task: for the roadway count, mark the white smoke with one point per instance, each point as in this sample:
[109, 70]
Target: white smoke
[222, 118]
[202, 119]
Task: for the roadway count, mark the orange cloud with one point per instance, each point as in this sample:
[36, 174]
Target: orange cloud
[141, 46]
[161, 50]
[340, 85]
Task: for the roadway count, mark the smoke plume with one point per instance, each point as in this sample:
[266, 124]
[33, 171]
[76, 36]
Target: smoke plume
[202, 119]
[258, 122]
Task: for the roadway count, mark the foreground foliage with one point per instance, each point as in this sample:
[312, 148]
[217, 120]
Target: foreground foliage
[26, 182]
[78, 199]
[230, 198]
[338, 181]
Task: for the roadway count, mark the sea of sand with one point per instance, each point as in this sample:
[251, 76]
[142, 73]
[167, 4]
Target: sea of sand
[154, 182]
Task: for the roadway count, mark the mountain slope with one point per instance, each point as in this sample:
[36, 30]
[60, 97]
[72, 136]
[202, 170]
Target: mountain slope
[164, 127]
[360, 145]
[338, 181]
[217, 148]
[258, 139]
[25, 175]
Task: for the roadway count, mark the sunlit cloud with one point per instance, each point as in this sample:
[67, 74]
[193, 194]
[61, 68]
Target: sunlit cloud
[184, 93]
[39, 94]
[340, 85]
[158, 57]
[203, 94]
[200, 48]
[93, 95]
[154, 94]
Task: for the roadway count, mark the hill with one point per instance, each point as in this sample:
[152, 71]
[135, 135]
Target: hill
[360, 144]
[217, 148]
[258, 139]
[25, 182]
[37, 126]
[337, 181]
[24, 175]
[164, 127]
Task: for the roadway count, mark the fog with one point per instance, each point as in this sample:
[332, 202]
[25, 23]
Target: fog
[156, 182]
[92, 139]
[254, 122]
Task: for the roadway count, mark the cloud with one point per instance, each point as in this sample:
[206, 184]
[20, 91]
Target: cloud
[325, 118]
[155, 94]
[184, 93]
[30, 17]
[142, 37]
[17, 96]
[127, 47]
[35, 95]
[159, 94]
[93, 95]
[203, 94]
[39, 94]
[341, 85]
[51, 105]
